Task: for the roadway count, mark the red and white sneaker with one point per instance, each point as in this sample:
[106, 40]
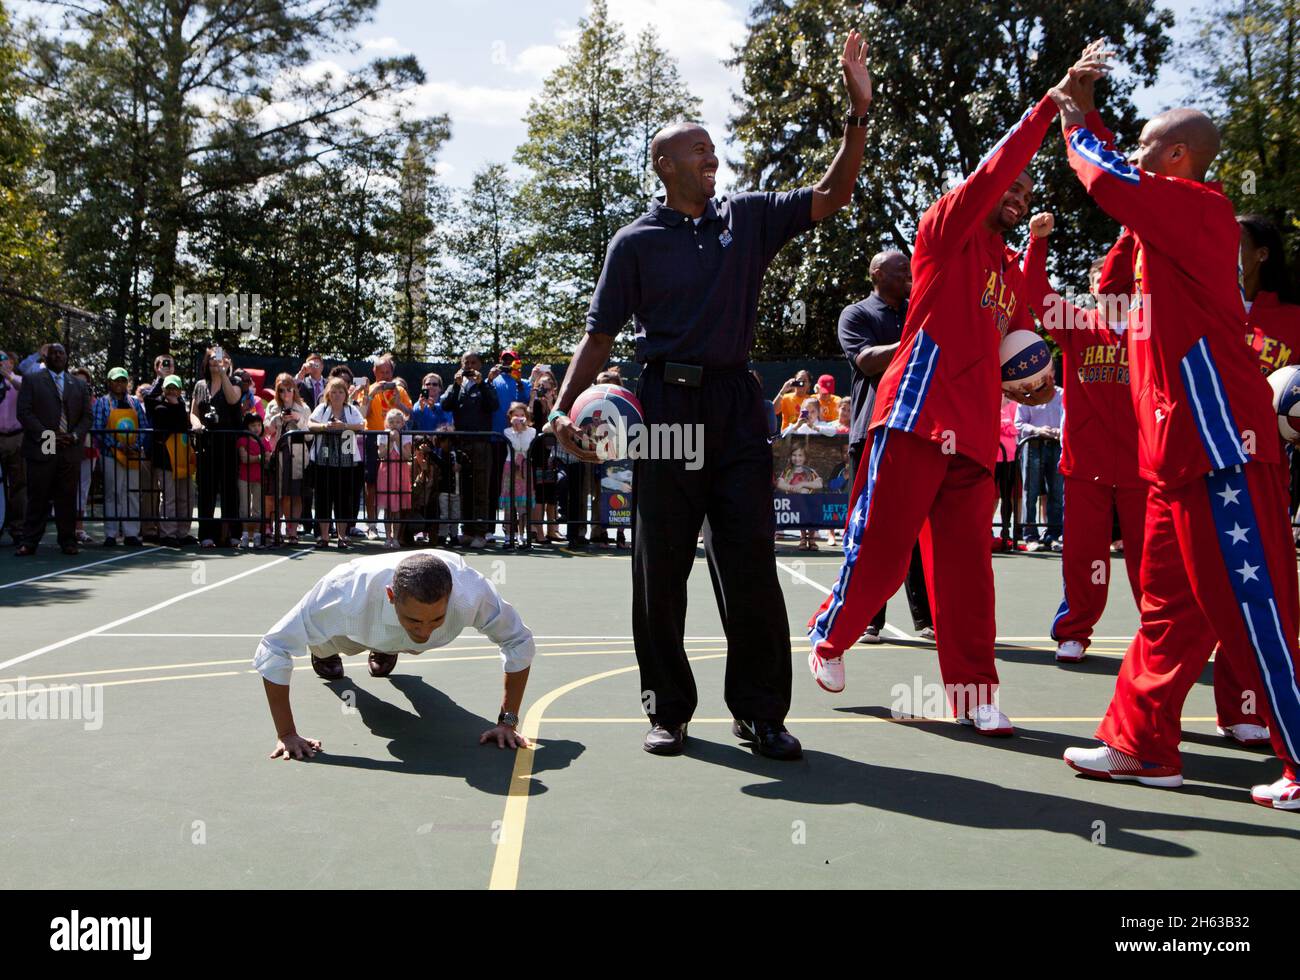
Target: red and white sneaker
[827, 672]
[1244, 734]
[988, 720]
[1104, 762]
[1282, 795]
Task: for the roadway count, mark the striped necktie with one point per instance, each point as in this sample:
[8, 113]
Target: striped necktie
[63, 408]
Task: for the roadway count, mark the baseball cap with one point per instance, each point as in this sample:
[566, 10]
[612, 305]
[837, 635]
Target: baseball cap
[172, 381]
[826, 383]
[513, 355]
[118, 374]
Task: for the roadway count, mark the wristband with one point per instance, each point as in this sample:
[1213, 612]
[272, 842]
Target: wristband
[556, 414]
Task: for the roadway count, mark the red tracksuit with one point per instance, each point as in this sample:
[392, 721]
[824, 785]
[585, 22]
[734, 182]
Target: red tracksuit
[1219, 561]
[1273, 333]
[1098, 444]
[935, 427]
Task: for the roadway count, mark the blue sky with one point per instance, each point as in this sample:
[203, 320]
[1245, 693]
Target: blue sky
[485, 58]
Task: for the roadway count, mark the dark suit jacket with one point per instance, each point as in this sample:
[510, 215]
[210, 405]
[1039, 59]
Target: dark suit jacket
[38, 412]
[306, 393]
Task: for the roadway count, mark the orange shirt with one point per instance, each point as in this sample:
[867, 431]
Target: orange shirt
[789, 407]
[380, 403]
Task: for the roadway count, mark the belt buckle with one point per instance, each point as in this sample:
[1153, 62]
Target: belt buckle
[690, 375]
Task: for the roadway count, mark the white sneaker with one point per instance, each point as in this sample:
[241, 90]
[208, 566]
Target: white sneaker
[1057, 546]
[1104, 762]
[1244, 734]
[828, 673]
[988, 720]
[1281, 795]
[926, 634]
[421, 538]
[1069, 652]
[1033, 546]
[243, 541]
[871, 635]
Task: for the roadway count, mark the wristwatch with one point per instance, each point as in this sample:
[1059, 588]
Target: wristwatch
[508, 718]
[852, 120]
[556, 414]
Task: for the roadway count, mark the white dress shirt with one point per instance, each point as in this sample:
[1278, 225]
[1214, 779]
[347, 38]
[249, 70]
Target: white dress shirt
[351, 603]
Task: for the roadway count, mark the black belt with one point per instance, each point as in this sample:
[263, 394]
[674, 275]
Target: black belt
[15, 432]
[693, 375]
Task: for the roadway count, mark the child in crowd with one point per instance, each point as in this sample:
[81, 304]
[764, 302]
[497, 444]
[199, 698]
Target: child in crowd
[170, 418]
[799, 477]
[393, 487]
[810, 421]
[424, 489]
[514, 474]
[252, 448]
[448, 462]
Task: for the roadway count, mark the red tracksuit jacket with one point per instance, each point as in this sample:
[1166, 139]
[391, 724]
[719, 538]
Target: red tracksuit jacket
[945, 381]
[1200, 400]
[1273, 332]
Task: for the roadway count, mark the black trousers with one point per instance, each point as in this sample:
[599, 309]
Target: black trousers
[52, 480]
[918, 599]
[218, 478]
[730, 496]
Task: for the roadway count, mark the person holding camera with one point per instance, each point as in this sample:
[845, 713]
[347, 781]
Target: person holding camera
[428, 415]
[288, 415]
[545, 466]
[789, 401]
[472, 403]
[216, 411]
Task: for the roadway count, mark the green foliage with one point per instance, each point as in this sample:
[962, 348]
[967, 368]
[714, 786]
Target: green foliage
[1246, 58]
[950, 78]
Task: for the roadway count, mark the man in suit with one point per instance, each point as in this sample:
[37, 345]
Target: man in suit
[311, 380]
[55, 413]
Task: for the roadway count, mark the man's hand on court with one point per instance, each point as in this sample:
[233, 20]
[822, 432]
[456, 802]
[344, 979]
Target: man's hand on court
[504, 736]
[294, 746]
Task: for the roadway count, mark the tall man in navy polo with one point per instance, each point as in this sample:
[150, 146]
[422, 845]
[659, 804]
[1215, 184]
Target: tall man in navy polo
[689, 273]
[869, 334]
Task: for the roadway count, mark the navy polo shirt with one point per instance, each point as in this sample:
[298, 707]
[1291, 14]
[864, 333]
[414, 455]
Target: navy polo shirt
[869, 323]
[691, 287]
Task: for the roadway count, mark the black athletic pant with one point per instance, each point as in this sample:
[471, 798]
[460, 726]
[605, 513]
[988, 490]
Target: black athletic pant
[730, 495]
[918, 599]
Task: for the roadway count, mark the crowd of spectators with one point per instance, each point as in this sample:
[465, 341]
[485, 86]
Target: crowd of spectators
[231, 462]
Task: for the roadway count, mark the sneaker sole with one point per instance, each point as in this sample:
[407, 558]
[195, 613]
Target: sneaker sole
[1273, 804]
[988, 732]
[1160, 782]
[1071, 660]
[829, 690]
[1248, 742]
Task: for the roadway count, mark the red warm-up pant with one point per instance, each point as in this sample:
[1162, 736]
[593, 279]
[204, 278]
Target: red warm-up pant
[1085, 552]
[1219, 566]
[909, 489]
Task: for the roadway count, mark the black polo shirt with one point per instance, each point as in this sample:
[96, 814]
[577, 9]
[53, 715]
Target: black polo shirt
[692, 287]
[869, 323]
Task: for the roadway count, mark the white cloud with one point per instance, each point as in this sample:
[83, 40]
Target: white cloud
[384, 45]
[538, 59]
[480, 104]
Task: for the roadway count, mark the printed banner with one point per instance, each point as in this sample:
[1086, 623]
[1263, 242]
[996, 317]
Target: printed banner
[810, 480]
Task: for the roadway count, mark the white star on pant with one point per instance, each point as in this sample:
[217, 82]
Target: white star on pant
[1229, 495]
[1238, 533]
[1247, 572]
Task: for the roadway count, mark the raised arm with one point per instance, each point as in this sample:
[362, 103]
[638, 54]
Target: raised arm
[835, 189]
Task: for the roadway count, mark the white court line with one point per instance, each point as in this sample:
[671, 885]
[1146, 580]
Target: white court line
[77, 568]
[892, 630]
[143, 612]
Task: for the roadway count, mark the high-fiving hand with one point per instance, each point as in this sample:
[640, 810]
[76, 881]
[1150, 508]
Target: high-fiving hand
[857, 77]
[1073, 94]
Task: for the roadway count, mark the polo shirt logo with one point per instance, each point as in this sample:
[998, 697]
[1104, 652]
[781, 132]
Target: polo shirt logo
[725, 238]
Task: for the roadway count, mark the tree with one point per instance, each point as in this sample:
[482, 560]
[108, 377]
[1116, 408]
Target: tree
[586, 153]
[941, 102]
[164, 106]
[1246, 59]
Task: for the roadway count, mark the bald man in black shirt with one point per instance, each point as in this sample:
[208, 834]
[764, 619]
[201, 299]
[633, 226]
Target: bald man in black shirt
[689, 273]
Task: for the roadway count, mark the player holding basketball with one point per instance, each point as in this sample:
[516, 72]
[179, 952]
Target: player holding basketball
[1219, 560]
[689, 271]
[1099, 442]
[935, 433]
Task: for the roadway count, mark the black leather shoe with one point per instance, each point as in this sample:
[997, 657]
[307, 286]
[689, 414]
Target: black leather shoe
[665, 740]
[768, 738]
[381, 664]
[328, 668]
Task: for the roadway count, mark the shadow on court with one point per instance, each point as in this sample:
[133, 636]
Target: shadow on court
[822, 779]
[439, 738]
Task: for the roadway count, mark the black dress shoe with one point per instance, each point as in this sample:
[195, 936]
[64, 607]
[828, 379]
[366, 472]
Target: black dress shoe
[70, 549]
[110, 542]
[769, 739]
[381, 664]
[133, 542]
[665, 740]
[24, 551]
[328, 668]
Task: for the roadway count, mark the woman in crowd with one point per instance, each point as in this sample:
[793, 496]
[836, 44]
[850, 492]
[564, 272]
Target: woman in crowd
[1006, 475]
[287, 415]
[393, 482]
[545, 468]
[215, 409]
[336, 455]
[87, 464]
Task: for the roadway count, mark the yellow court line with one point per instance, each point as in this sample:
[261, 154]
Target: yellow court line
[505, 864]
